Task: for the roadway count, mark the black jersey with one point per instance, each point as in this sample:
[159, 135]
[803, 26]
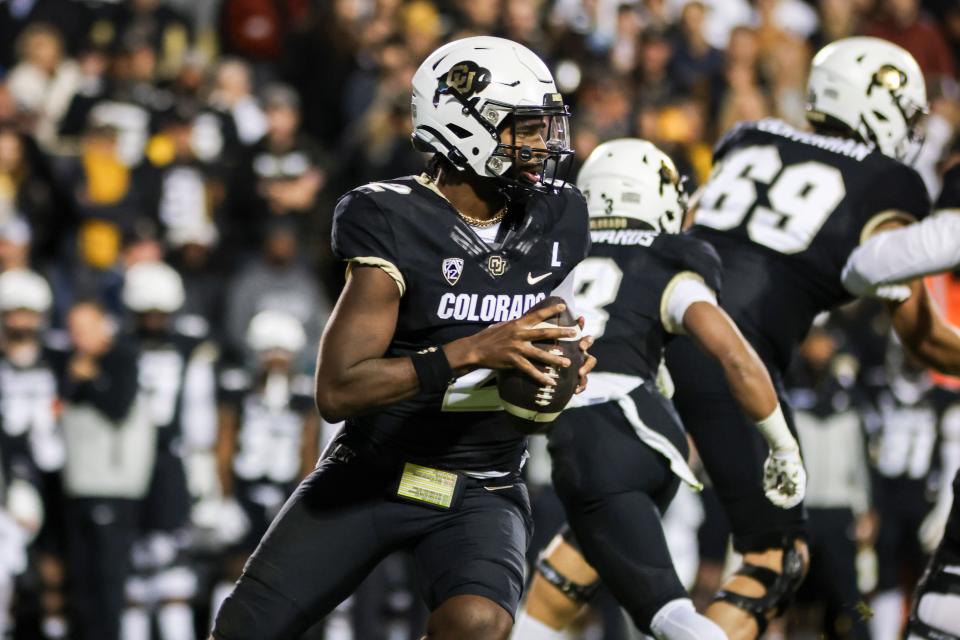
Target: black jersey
[270, 425]
[906, 428]
[28, 405]
[785, 209]
[172, 390]
[620, 290]
[454, 284]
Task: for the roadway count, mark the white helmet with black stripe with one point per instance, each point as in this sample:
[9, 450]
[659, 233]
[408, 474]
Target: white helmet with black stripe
[629, 179]
[872, 88]
[468, 91]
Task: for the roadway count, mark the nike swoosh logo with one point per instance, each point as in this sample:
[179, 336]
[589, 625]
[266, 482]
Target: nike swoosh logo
[508, 486]
[535, 280]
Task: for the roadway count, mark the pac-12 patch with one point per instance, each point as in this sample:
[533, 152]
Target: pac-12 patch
[452, 268]
[431, 487]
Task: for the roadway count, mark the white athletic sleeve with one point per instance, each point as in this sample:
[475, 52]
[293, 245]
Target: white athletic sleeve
[685, 289]
[930, 246]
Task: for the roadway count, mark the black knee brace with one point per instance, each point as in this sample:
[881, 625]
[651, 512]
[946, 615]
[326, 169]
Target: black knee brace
[576, 592]
[780, 587]
[934, 580]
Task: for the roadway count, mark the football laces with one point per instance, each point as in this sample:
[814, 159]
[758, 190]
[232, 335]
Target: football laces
[545, 393]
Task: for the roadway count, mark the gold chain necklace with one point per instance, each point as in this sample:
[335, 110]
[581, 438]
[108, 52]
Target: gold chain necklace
[470, 220]
[480, 224]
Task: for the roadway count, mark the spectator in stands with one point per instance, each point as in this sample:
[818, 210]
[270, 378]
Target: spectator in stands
[656, 85]
[421, 28]
[183, 188]
[838, 19]
[625, 50]
[44, 81]
[15, 239]
[25, 190]
[476, 18]
[232, 95]
[280, 176]
[319, 61]
[904, 23]
[278, 280]
[93, 63]
[521, 23]
[788, 81]
[169, 34]
[696, 66]
[110, 446]
[111, 205]
[192, 255]
[743, 100]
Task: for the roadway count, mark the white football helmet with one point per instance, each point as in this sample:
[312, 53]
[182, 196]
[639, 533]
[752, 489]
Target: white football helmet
[271, 329]
[631, 178]
[872, 87]
[463, 96]
[152, 286]
[24, 289]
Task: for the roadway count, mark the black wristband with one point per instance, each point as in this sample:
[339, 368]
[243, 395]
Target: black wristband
[433, 370]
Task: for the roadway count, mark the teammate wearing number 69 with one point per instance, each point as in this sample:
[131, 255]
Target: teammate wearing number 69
[785, 209]
[619, 460]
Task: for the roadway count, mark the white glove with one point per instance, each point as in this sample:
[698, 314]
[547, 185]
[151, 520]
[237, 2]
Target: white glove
[784, 478]
[932, 527]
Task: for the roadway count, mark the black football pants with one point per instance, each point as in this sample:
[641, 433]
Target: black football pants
[614, 489]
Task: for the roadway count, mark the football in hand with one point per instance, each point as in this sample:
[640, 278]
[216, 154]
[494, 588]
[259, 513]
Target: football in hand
[532, 406]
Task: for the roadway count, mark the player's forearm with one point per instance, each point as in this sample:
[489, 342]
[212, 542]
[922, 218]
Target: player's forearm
[746, 376]
[749, 382]
[925, 333]
[931, 246]
[941, 350]
[378, 382]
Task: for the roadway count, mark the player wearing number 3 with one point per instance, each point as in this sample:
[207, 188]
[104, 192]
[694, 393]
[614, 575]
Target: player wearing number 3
[619, 460]
[785, 209]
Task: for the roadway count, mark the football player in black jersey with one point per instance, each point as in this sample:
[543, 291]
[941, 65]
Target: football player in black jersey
[642, 284]
[880, 267]
[178, 385]
[442, 269]
[785, 209]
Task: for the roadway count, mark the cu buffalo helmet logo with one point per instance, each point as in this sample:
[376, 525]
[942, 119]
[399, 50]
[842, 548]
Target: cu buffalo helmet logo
[452, 268]
[466, 78]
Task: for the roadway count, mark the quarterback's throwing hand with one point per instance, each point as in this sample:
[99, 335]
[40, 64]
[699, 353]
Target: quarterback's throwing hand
[784, 478]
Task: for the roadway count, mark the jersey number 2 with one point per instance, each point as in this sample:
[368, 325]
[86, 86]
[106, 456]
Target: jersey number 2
[801, 196]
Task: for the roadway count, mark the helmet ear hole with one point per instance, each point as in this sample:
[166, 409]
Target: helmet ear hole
[879, 116]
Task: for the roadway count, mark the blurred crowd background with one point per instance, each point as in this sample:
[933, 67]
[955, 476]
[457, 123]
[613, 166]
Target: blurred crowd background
[168, 170]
